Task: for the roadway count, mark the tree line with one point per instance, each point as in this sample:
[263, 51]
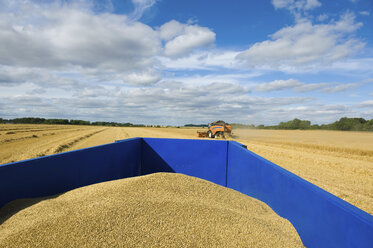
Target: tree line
[36, 120]
[343, 124]
[195, 125]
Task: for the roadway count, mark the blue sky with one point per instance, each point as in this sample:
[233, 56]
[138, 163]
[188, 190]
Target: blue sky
[178, 62]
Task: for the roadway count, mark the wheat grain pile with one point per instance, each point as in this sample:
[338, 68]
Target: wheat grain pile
[157, 210]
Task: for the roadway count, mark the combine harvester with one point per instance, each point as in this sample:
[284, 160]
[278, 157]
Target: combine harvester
[320, 218]
[217, 129]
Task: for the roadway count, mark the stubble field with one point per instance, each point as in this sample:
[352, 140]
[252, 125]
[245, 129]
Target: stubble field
[339, 162]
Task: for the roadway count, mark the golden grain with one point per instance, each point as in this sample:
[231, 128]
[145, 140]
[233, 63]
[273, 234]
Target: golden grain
[157, 210]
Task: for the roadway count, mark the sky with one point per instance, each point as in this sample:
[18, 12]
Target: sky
[173, 62]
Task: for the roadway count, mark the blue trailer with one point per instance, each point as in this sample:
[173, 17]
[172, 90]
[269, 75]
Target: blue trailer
[321, 219]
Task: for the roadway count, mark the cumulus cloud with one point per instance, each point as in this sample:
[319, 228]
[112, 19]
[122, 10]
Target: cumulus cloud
[304, 44]
[171, 29]
[316, 112]
[181, 39]
[33, 101]
[61, 37]
[15, 76]
[167, 102]
[72, 37]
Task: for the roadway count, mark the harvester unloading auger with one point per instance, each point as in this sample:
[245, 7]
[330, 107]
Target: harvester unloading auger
[217, 129]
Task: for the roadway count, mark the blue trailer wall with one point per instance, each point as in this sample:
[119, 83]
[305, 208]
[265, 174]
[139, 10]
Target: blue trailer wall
[204, 159]
[321, 219]
[62, 172]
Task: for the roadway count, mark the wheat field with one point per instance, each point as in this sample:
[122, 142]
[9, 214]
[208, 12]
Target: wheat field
[339, 162]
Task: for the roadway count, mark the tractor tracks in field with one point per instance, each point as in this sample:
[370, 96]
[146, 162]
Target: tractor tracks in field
[14, 131]
[66, 146]
[26, 137]
[17, 139]
[33, 136]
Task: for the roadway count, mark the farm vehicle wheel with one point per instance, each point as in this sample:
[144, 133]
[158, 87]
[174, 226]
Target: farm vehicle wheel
[210, 135]
[220, 135]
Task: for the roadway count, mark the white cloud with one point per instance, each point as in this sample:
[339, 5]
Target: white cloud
[296, 4]
[340, 87]
[63, 37]
[183, 39]
[322, 17]
[311, 4]
[362, 66]
[311, 87]
[171, 29]
[140, 7]
[365, 13]
[72, 36]
[203, 60]
[104, 46]
[195, 79]
[305, 44]
[147, 77]
[292, 84]
[278, 85]
[15, 76]
[315, 112]
[278, 4]
[366, 104]
[167, 102]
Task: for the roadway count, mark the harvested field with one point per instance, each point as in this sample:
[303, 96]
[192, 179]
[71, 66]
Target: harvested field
[30, 141]
[339, 162]
[157, 210]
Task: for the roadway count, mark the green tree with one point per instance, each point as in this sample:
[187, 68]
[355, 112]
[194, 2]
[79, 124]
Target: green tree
[57, 121]
[349, 124]
[295, 124]
[79, 122]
